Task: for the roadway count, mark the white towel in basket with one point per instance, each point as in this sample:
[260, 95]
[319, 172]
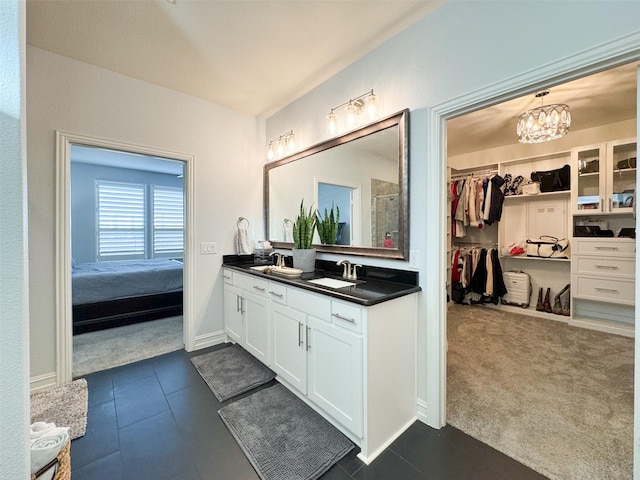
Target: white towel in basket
[47, 447]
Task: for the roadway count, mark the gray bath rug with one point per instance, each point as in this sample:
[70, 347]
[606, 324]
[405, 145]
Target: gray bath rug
[66, 406]
[231, 371]
[284, 438]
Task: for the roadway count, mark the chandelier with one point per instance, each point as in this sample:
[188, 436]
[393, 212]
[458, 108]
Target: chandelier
[543, 123]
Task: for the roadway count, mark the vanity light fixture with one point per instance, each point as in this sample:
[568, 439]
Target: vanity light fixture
[278, 146]
[354, 108]
[543, 123]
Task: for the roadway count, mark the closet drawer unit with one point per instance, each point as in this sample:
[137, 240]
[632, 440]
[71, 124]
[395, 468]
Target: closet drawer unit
[604, 247]
[603, 265]
[346, 316]
[277, 293]
[604, 289]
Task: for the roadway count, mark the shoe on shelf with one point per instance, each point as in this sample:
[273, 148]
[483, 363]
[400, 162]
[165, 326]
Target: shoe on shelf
[540, 304]
[547, 301]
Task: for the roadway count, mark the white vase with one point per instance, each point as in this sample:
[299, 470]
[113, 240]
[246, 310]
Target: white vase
[304, 259]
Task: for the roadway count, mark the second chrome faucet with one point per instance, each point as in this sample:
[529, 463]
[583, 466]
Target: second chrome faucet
[350, 269]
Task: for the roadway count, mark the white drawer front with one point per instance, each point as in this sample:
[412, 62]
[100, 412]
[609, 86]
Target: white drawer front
[227, 276]
[615, 266]
[604, 247]
[346, 315]
[313, 304]
[277, 293]
[250, 283]
[604, 289]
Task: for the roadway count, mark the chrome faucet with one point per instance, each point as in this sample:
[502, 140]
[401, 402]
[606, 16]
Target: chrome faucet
[349, 269]
[279, 259]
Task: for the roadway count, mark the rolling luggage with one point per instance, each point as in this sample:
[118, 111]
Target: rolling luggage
[518, 288]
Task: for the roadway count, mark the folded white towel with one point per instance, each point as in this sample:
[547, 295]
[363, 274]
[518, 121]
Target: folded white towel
[243, 243]
[38, 429]
[47, 447]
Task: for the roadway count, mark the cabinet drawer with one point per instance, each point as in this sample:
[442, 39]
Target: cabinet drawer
[346, 315]
[277, 292]
[317, 305]
[604, 289]
[251, 284]
[604, 247]
[227, 276]
[603, 265]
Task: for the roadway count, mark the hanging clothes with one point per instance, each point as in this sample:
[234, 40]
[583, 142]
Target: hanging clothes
[475, 202]
[478, 273]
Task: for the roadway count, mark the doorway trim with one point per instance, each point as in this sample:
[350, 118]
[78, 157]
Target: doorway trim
[603, 57]
[63, 313]
[356, 205]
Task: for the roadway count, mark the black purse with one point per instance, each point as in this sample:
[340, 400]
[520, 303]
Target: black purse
[553, 180]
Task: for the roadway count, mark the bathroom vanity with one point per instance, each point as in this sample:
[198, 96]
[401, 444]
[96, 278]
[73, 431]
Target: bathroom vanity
[348, 352]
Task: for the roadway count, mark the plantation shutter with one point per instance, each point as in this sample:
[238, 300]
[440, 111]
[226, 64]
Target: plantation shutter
[168, 221]
[121, 220]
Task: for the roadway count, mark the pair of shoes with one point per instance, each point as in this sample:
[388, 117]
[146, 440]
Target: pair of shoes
[544, 305]
[558, 309]
[511, 187]
[566, 310]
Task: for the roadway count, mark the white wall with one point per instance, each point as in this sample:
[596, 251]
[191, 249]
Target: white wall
[14, 313]
[450, 55]
[67, 95]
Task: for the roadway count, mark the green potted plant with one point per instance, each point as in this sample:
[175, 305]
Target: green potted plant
[328, 225]
[304, 257]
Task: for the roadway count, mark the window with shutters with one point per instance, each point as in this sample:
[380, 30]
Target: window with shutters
[121, 220]
[168, 221]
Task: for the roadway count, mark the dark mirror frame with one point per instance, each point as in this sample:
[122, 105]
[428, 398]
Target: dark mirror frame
[401, 120]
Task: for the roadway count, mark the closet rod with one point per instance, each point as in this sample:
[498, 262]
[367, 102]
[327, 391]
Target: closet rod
[478, 173]
[474, 244]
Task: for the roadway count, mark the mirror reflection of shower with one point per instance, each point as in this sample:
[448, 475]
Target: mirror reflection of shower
[384, 214]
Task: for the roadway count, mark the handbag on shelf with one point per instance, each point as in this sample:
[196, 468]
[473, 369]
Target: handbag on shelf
[548, 247]
[626, 163]
[556, 180]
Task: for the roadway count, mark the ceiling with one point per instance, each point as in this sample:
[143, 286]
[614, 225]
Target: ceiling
[254, 56]
[599, 99]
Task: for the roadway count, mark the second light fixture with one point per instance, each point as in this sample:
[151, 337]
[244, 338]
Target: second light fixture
[354, 108]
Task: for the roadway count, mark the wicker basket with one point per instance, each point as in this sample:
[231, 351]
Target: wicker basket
[62, 465]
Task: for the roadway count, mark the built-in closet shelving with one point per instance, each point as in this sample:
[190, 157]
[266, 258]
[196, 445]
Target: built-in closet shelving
[596, 198]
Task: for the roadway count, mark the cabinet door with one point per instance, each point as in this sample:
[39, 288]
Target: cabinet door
[233, 313]
[621, 171]
[256, 321]
[589, 179]
[335, 372]
[289, 346]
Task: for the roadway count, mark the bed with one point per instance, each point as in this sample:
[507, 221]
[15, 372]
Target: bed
[112, 294]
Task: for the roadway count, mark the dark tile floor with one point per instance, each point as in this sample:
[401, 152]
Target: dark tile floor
[157, 419]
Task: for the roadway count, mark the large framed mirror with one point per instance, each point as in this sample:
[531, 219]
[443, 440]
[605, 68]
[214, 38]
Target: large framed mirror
[364, 173]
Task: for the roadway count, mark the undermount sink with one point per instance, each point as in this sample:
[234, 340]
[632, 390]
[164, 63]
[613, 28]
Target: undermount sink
[261, 268]
[331, 282]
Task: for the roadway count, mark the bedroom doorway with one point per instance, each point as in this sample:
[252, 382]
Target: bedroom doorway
[127, 247]
[122, 253]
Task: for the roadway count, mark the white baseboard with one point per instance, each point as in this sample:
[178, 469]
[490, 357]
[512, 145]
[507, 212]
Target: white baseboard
[615, 328]
[43, 381]
[421, 411]
[372, 456]
[210, 339]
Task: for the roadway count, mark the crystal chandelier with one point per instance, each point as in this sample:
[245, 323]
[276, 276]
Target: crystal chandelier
[544, 123]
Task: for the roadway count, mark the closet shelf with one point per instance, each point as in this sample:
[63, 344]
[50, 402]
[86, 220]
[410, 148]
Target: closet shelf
[536, 259]
[563, 193]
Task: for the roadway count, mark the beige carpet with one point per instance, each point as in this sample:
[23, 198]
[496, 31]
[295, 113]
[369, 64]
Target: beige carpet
[66, 406]
[96, 351]
[558, 399]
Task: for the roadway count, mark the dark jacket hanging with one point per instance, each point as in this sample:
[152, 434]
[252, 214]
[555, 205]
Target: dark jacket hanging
[497, 199]
[499, 288]
[479, 278]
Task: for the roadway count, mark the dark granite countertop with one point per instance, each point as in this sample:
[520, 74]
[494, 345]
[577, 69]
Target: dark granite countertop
[374, 285]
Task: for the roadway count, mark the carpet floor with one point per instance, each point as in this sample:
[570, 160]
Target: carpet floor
[104, 349]
[556, 398]
[66, 406]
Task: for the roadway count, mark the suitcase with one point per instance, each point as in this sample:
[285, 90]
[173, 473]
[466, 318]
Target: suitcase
[518, 285]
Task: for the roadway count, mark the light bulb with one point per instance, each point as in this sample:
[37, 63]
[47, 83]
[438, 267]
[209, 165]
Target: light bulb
[351, 115]
[279, 147]
[372, 109]
[291, 142]
[270, 152]
[332, 123]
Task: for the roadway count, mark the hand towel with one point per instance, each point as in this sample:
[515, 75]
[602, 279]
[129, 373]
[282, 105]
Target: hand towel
[39, 429]
[47, 447]
[243, 243]
[288, 230]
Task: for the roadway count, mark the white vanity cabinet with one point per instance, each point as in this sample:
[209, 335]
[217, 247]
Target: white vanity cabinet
[246, 313]
[354, 364]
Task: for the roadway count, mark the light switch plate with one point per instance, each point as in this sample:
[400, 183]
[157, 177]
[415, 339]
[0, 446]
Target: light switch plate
[414, 258]
[208, 247]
